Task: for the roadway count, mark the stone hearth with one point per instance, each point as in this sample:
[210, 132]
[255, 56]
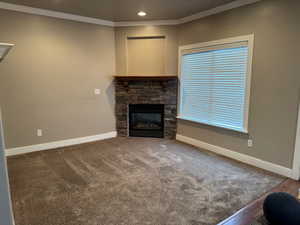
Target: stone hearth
[146, 90]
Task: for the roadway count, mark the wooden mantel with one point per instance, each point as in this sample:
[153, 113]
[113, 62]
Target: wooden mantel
[145, 77]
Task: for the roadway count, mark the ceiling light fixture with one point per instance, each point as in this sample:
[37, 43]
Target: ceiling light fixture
[142, 13]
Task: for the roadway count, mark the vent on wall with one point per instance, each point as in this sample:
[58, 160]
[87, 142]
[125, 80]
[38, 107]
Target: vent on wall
[146, 55]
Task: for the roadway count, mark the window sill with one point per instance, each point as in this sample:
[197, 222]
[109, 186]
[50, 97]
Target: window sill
[212, 125]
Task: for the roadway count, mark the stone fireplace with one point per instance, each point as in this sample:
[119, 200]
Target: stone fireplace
[146, 106]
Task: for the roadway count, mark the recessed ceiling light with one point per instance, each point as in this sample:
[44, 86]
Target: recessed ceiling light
[142, 13]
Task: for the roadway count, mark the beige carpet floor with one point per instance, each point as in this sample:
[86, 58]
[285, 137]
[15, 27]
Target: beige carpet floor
[131, 181]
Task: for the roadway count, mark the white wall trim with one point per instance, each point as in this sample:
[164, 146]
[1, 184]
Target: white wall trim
[238, 156]
[248, 38]
[245, 38]
[219, 9]
[68, 16]
[59, 144]
[296, 162]
[55, 14]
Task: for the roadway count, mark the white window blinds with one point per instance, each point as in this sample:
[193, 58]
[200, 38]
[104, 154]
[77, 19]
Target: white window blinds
[214, 85]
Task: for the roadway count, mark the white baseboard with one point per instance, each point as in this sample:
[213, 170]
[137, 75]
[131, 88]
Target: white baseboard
[216, 149]
[238, 156]
[59, 144]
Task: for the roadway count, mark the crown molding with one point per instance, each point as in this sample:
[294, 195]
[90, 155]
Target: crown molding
[219, 9]
[55, 14]
[206, 13]
[73, 17]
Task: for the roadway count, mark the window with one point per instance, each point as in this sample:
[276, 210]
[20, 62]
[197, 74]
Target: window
[215, 82]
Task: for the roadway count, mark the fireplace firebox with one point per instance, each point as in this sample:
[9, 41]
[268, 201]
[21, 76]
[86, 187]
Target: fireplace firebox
[146, 120]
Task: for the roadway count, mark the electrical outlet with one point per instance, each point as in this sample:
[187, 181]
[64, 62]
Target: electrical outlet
[97, 91]
[39, 132]
[250, 143]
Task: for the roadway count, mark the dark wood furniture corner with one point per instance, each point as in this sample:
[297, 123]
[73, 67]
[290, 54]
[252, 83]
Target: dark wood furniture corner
[254, 210]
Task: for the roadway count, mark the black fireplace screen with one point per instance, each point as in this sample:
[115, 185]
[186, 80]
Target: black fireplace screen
[146, 120]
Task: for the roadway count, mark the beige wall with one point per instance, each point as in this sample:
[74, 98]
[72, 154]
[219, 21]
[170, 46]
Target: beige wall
[149, 61]
[171, 46]
[48, 79]
[275, 79]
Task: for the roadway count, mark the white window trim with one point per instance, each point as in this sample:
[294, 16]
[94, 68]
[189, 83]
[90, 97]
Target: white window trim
[250, 40]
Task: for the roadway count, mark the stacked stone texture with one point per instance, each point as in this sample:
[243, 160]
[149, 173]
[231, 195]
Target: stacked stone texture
[162, 91]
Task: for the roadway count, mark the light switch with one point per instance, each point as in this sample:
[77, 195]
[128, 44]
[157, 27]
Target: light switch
[97, 91]
[39, 132]
[250, 143]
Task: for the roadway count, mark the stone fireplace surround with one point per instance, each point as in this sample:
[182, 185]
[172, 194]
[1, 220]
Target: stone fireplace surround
[146, 90]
